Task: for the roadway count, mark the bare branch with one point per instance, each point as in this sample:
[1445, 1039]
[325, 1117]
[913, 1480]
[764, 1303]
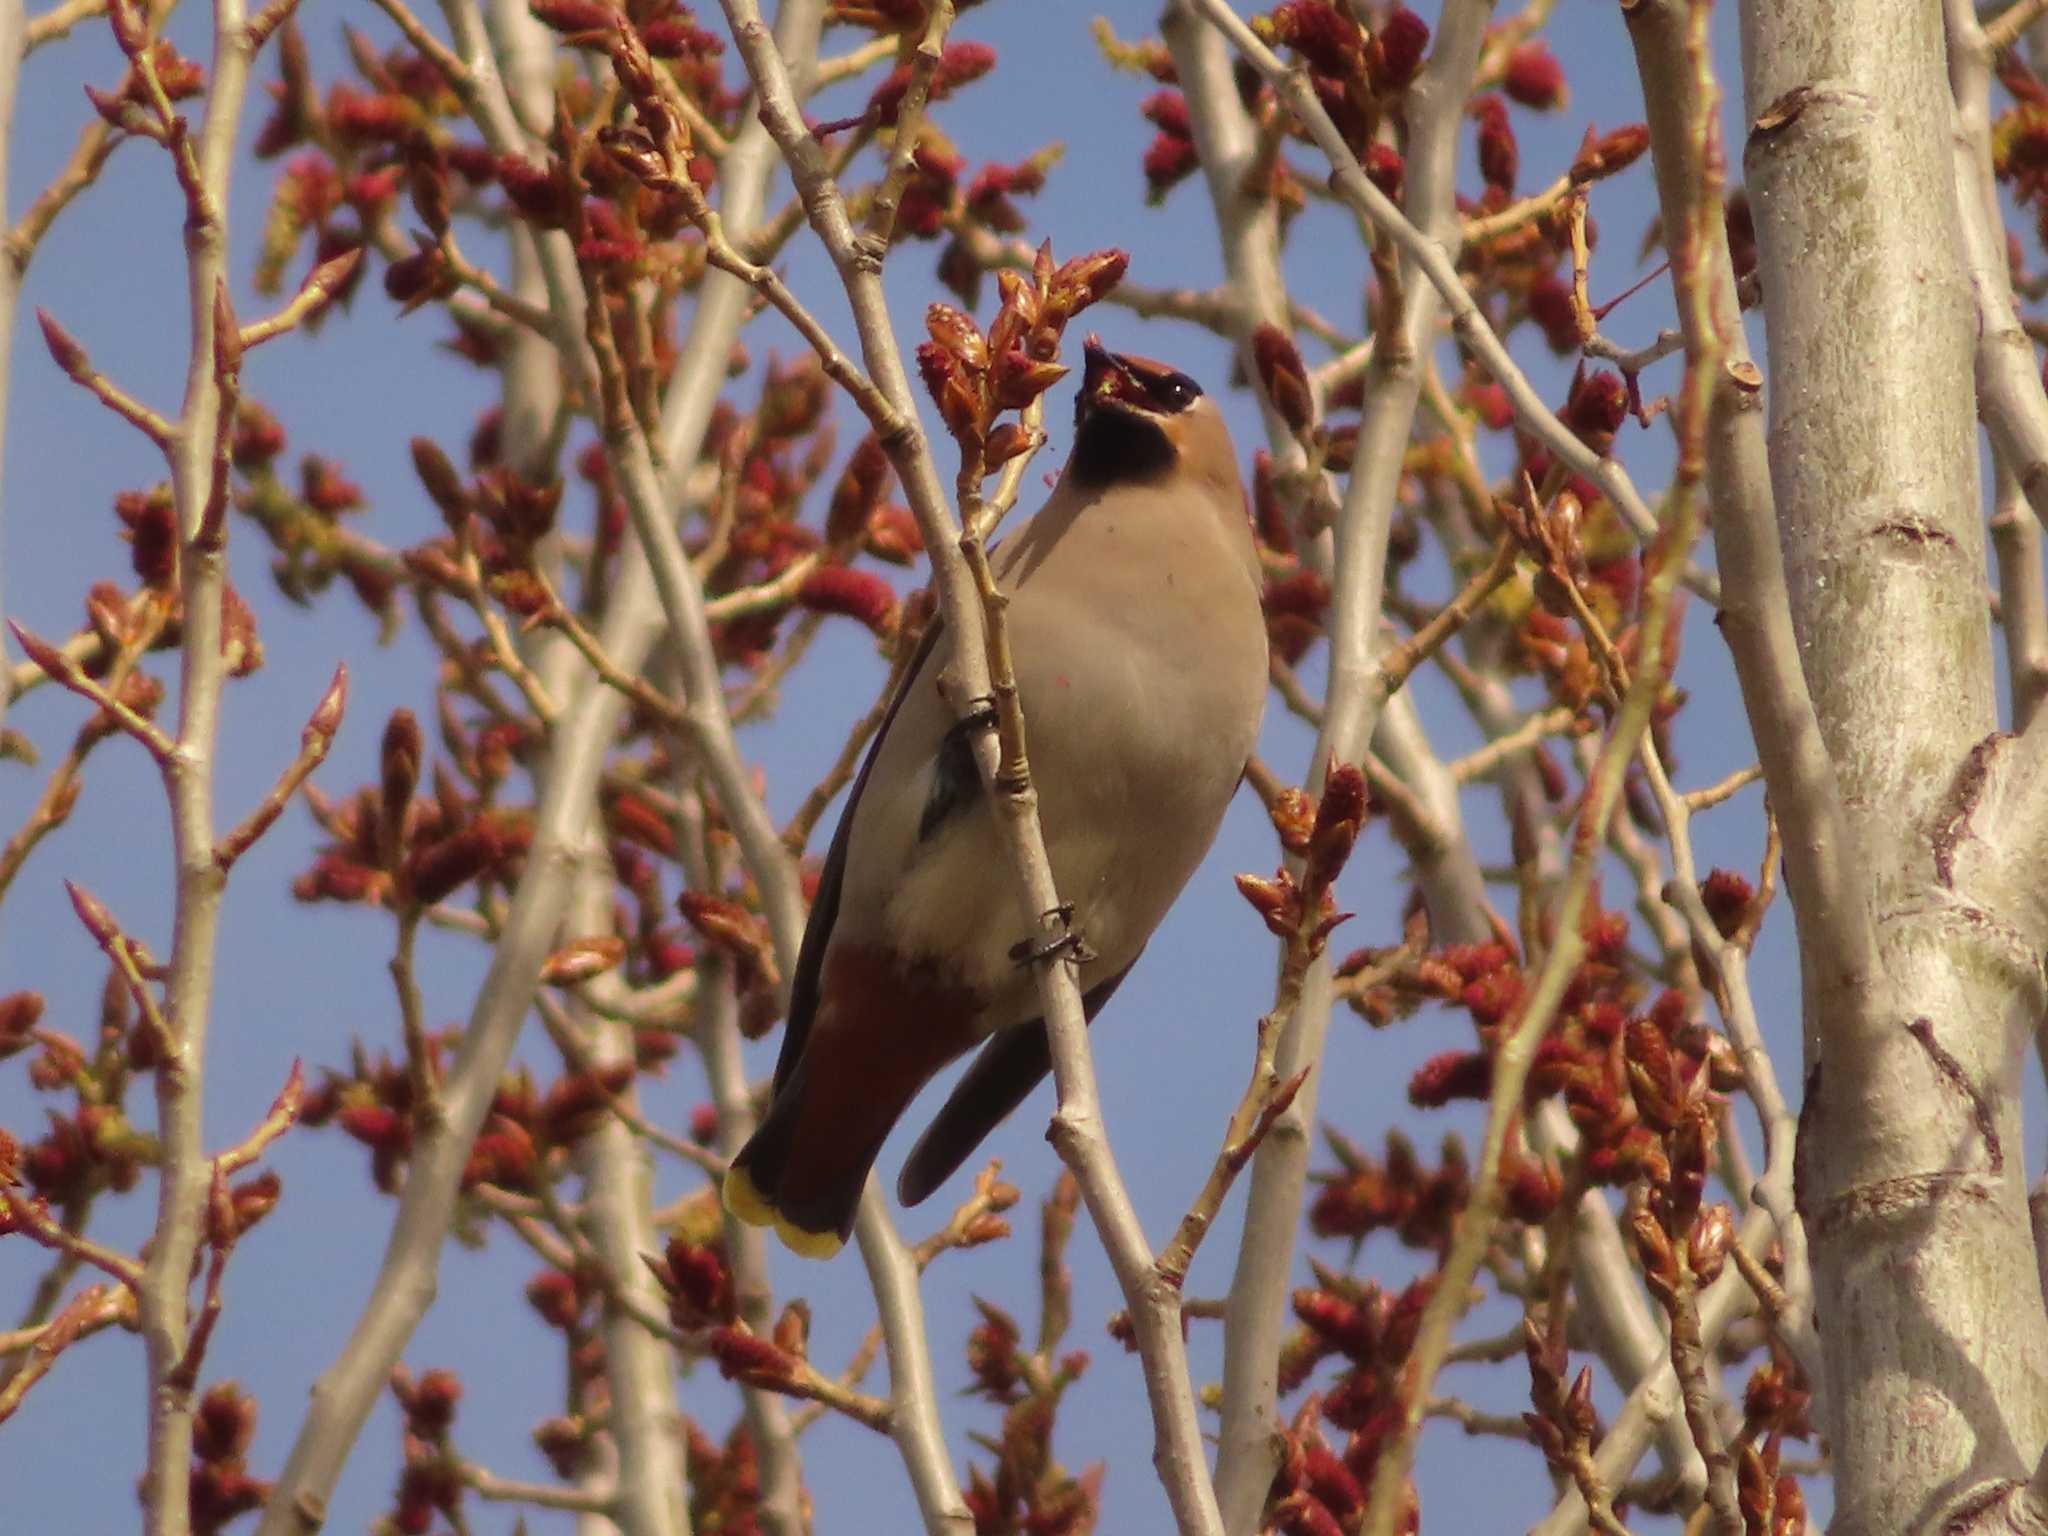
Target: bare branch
[314, 743]
[71, 358]
[92, 1309]
[1356, 694]
[324, 282]
[2022, 607]
[1077, 1125]
[32, 1219]
[1432, 261]
[57, 22]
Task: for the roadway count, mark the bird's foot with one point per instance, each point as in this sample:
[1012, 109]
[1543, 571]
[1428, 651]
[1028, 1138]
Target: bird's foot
[981, 713]
[1067, 942]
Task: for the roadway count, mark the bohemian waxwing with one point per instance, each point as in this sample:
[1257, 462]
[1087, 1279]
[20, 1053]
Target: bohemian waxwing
[1140, 653]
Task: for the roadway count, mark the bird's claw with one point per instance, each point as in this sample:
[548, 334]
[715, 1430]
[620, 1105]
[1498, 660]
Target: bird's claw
[981, 714]
[1067, 942]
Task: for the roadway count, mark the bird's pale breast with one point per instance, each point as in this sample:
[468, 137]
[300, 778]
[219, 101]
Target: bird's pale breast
[1140, 654]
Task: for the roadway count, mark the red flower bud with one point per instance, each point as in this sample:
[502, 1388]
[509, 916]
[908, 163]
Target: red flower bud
[443, 484]
[1326, 37]
[223, 1424]
[1535, 78]
[583, 959]
[324, 488]
[1706, 1250]
[1168, 112]
[382, 119]
[1283, 376]
[1399, 45]
[539, 192]
[414, 280]
[431, 1409]
[747, 1356]
[1727, 896]
[958, 399]
[555, 1297]
[1169, 160]
[399, 766]
[892, 535]
[18, 1016]
[702, 1286]
[258, 439]
[1596, 408]
[1086, 279]
[1385, 169]
[858, 493]
[1276, 900]
[437, 870]
[1339, 814]
[856, 594]
[1604, 156]
[376, 1126]
[1452, 1075]
[573, 16]
[728, 925]
[1499, 158]
[674, 37]
[1550, 305]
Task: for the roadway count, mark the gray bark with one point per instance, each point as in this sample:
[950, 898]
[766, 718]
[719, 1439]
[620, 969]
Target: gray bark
[1910, 1179]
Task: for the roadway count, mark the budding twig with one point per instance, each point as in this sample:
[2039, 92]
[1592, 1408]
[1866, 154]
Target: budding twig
[601, 1500]
[325, 281]
[32, 1219]
[1541, 724]
[97, 141]
[563, 1032]
[436, 52]
[71, 358]
[130, 962]
[1518, 214]
[1399, 662]
[282, 1115]
[881, 219]
[314, 743]
[976, 1220]
[58, 21]
[92, 1309]
[1724, 964]
[1516, 1052]
[1430, 259]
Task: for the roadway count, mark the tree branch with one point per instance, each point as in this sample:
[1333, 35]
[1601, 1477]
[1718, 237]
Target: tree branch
[1077, 1129]
[1357, 689]
[406, 1278]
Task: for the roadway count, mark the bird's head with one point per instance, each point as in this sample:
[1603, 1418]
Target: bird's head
[1138, 421]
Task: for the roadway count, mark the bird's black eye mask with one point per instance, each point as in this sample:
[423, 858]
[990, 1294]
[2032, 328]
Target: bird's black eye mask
[1171, 392]
[1112, 445]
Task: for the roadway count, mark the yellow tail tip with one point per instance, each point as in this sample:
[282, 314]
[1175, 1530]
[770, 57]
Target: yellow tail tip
[743, 1197]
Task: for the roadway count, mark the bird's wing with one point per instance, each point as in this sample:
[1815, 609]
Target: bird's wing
[810, 956]
[1013, 1063]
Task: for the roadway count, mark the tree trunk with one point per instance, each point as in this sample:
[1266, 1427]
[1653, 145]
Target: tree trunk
[1910, 1176]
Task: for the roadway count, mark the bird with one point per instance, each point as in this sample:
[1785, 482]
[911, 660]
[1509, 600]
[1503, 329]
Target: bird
[1139, 647]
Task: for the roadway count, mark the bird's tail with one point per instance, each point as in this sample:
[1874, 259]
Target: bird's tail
[803, 1174]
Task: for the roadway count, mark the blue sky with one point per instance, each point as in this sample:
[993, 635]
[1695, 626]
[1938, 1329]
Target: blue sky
[303, 982]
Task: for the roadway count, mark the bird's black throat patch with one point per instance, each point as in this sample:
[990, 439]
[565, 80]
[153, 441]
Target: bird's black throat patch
[1113, 446]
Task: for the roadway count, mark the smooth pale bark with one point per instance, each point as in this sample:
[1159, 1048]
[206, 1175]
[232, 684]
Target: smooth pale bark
[1910, 1179]
[11, 39]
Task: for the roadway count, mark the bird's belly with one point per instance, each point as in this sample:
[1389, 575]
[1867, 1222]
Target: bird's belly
[1126, 823]
[973, 925]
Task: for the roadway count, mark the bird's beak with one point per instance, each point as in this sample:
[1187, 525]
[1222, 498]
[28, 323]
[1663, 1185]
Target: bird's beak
[1105, 380]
